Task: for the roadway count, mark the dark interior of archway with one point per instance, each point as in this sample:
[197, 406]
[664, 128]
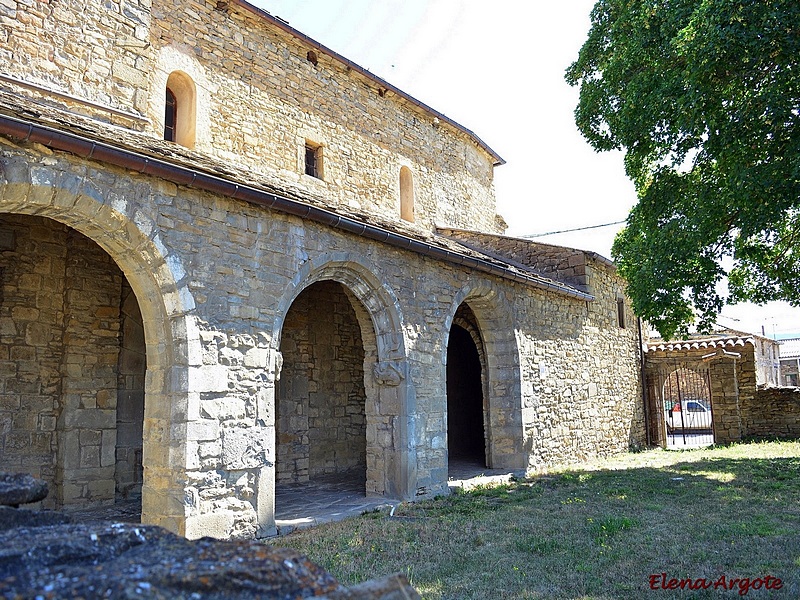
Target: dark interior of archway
[74, 403]
[465, 429]
[321, 423]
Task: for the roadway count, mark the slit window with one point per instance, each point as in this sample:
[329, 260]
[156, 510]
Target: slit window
[170, 116]
[621, 313]
[313, 160]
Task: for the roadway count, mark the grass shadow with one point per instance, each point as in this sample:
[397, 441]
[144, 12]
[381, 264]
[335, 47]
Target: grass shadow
[600, 531]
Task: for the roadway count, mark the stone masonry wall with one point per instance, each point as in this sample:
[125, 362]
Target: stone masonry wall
[67, 46]
[264, 98]
[87, 423]
[733, 385]
[130, 398]
[258, 101]
[562, 375]
[563, 264]
[772, 412]
[581, 391]
[31, 342]
[60, 336]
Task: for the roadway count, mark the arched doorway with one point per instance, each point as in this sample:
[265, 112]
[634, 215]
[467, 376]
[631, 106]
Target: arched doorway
[466, 398]
[390, 465]
[321, 422]
[72, 332]
[686, 397]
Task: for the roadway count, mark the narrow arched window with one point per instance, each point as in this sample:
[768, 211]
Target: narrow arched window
[406, 195]
[180, 109]
[170, 116]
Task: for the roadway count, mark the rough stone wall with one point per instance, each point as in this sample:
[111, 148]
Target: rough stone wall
[292, 428]
[130, 398]
[30, 346]
[772, 412]
[93, 50]
[733, 385]
[258, 100]
[581, 390]
[87, 423]
[265, 99]
[61, 331]
[321, 422]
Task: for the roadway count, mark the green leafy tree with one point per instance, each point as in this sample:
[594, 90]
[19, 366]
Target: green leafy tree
[703, 96]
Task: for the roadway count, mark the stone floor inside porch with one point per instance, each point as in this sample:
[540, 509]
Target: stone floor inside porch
[337, 497]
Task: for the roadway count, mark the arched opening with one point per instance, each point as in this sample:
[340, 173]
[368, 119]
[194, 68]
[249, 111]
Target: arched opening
[180, 109]
[406, 194]
[466, 430]
[73, 404]
[321, 425]
[391, 465]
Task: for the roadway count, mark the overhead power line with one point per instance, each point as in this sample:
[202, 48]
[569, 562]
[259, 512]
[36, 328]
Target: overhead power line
[534, 235]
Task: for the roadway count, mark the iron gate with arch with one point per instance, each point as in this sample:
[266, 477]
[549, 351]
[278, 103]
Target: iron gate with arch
[687, 407]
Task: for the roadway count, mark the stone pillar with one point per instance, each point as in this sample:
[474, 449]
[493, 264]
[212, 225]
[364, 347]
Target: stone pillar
[229, 456]
[387, 445]
[87, 423]
[130, 399]
[32, 254]
[725, 401]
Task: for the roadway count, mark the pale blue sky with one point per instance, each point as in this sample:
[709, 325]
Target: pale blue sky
[497, 69]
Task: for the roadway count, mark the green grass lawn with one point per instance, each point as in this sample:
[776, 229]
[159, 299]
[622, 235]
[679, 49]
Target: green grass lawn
[600, 530]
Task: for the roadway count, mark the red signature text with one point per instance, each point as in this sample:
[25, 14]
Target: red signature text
[660, 581]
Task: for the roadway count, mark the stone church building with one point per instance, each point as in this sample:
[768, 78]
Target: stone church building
[231, 259]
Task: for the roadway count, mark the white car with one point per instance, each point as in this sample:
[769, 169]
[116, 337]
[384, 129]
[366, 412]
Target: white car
[690, 414]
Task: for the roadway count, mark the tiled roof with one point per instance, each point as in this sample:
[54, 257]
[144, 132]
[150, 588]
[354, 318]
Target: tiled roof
[790, 348]
[698, 344]
[31, 111]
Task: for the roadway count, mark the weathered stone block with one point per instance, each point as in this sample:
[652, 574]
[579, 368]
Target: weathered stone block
[89, 418]
[209, 378]
[21, 488]
[204, 429]
[229, 408]
[246, 447]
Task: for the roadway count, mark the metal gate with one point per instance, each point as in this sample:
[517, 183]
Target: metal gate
[687, 409]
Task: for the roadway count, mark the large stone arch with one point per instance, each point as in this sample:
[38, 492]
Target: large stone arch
[391, 465]
[498, 351]
[90, 201]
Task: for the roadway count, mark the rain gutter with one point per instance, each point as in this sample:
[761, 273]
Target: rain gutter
[147, 165]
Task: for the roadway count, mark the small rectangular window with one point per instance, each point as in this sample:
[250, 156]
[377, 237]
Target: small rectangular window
[621, 313]
[314, 160]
